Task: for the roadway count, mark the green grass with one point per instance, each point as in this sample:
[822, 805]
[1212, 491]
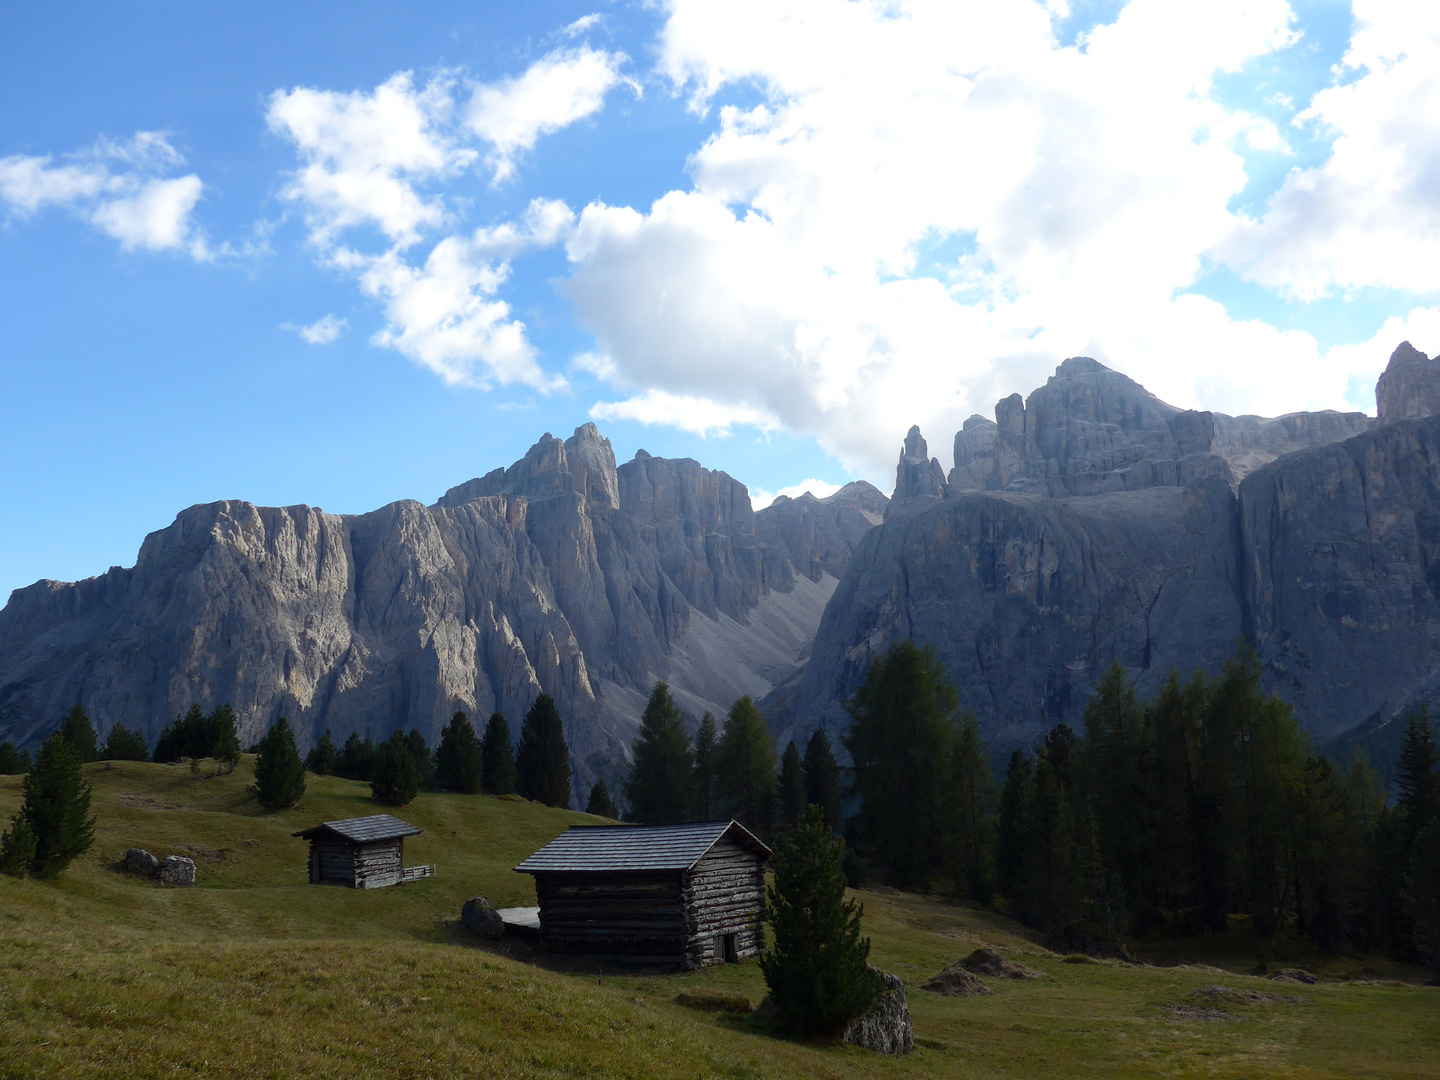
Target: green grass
[256, 973]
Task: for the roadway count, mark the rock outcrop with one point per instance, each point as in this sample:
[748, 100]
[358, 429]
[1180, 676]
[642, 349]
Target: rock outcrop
[1116, 528]
[564, 573]
[886, 1028]
[919, 479]
[477, 916]
[1409, 387]
[974, 456]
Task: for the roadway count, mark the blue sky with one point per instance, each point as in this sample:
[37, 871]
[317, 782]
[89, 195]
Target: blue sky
[346, 254]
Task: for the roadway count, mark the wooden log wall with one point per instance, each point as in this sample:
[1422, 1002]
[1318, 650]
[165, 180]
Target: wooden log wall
[378, 865]
[332, 859]
[612, 914]
[724, 894]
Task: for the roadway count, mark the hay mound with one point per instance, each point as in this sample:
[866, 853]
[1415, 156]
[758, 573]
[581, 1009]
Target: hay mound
[1199, 1012]
[986, 961]
[1293, 975]
[1228, 995]
[955, 981]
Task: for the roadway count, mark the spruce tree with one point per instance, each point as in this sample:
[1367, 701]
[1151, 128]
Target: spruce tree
[600, 804]
[542, 761]
[357, 760]
[1012, 834]
[13, 762]
[323, 759]
[1423, 894]
[499, 758]
[816, 965]
[459, 762]
[970, 827]
[746, 765]
[187, 737]
[822, 778]
[658, 788]
[55, 811]
[222, 740]
[279, 772]
[1416, 780]
[80, 733]
[123, 744]
[1115, 757]
[900, 741]
[423, 759]
[17, 848]
[706, 751]
[790, 787]
[397, 781]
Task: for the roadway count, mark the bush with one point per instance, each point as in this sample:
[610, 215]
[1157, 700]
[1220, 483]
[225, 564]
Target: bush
[397, 781]
[816, 966]
[279, 772]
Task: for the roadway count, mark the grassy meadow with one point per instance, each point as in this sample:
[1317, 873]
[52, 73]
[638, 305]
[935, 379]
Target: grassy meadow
[255, 973]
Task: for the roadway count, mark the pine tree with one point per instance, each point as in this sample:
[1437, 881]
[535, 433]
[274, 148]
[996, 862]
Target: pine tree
[397, 781]
[279, 772]
[969, 828]
[222, 741]
[55, 811]
[80, 733]
[358, 760]
[822, 778]
[816, 966]
[17, 848]
[124, 745]
[790, 787]
[499, 757]
[423, 759]
[900, 742]
[459, 762]
[542, 761]
[322, 759]
[187, 737]
[13, 762]
[1012, 833]
[706, 759]
[658, 788]
[600, 804]
[1416, 780]
[746, 765]
[1115, 760]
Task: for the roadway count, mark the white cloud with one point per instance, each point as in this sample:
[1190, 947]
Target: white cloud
[1370, 214]
[583, 25]
[821, 489]
[697, 415]
[322, 331]
[554, 92]
[133, 203]
[363, 154]
[1078, 192]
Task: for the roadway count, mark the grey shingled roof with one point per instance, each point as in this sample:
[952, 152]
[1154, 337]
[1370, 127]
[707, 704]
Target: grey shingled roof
[364, 830]
[589, 848]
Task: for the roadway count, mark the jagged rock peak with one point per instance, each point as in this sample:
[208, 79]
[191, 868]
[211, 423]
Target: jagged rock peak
[917, 476]
[584, 463]
[974, 455]
[1409, 387]
[592, 463]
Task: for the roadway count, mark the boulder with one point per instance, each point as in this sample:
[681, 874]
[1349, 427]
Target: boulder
[139, 861]
[885, 1028]
[178, 870]
[986, 961]
[955, 981]
[479, 917]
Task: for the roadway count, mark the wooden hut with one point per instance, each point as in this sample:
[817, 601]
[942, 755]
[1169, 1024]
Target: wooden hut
[363, 853]
[686, 894]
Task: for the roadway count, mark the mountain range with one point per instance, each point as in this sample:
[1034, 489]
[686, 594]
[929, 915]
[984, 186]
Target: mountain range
[1086, 524]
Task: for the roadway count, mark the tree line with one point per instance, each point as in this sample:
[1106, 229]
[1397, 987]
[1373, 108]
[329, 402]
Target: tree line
[1172, 815]
[726, 772]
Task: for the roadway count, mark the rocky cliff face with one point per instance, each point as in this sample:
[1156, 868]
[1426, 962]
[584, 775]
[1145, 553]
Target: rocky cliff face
[1409, 387]
[563, 573]
[1113, 527]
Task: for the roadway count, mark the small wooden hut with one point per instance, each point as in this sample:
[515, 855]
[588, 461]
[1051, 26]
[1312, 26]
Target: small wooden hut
[363, 853]
[687, 894]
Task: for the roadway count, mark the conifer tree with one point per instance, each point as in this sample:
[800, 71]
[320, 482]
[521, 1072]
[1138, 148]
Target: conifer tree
[423, 759]
[600, 804]
[279, 772]
[1416, 780]
[499, 758]
[790, 787]
[13, 762]
[969, 827]
[357, 759]
[80, 733]
[459, 761]
[222, 741]
[323, 760]
[1012, 832]
[746, 765]
[122, 744]
[397, 780]
[1115, 765]
[186, 737]
[542, 761]
[900, 742]
[822, 778]
[659, 785]
[706, 762]
[54, 824]
[816, 966]
[1423, 894]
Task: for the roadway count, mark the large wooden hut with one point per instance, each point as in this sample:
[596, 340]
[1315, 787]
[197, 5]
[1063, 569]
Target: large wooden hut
[363, 853]
[686, 894]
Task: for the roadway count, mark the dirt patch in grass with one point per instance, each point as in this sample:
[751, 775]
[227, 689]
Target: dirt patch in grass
[146, 802]
[987, 961]
[1201, 1013]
